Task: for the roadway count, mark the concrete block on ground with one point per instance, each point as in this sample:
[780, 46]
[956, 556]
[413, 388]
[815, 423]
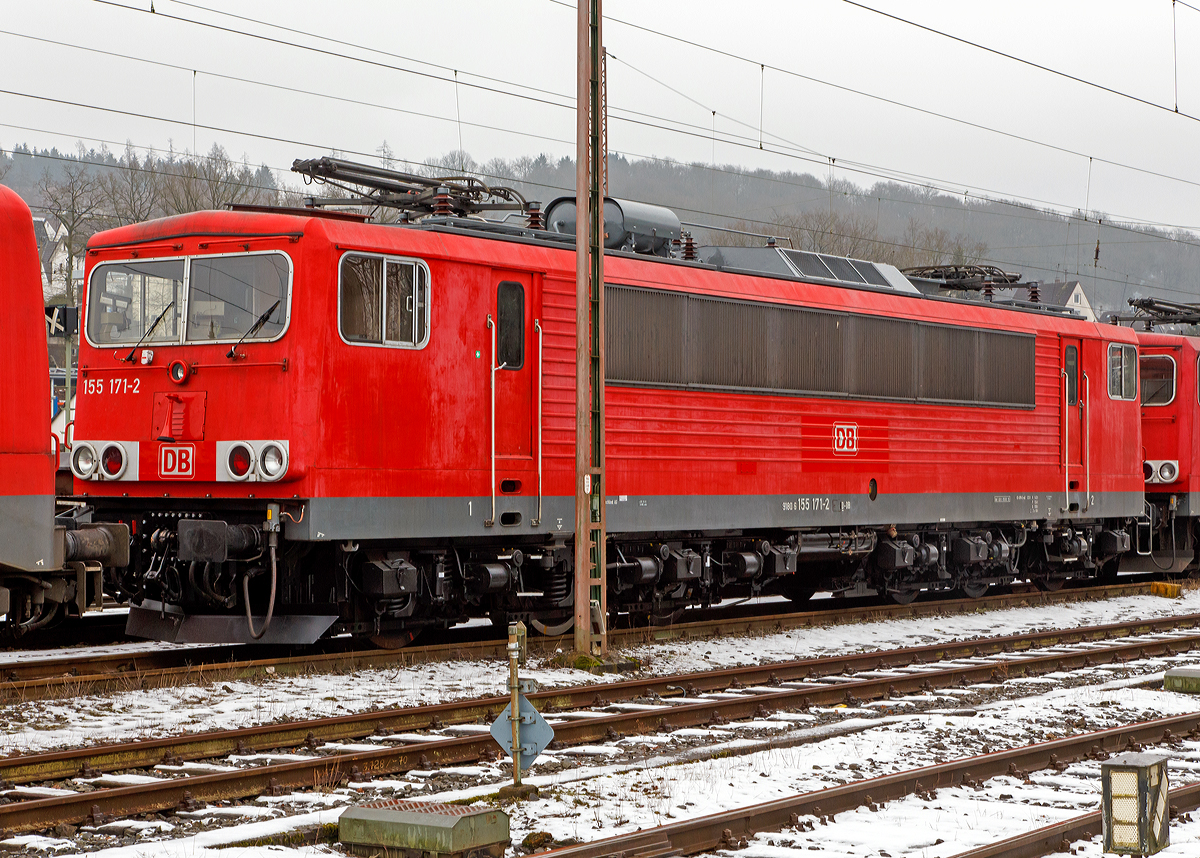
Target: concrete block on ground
[1184, 679]
[399, 828]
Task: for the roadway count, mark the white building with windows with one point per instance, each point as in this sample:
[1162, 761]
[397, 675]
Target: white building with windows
[1067, 294]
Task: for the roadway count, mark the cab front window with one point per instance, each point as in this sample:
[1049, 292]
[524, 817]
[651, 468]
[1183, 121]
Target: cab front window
[229, 295]
[126, 299]
[222, 298]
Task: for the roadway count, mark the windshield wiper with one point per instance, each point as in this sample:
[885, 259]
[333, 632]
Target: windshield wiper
[262, 320]
[129, 357]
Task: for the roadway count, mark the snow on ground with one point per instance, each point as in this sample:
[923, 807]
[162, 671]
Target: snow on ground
[43, 724]
[587, 796]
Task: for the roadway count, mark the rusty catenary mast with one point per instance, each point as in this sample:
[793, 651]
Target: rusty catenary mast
[589, 361]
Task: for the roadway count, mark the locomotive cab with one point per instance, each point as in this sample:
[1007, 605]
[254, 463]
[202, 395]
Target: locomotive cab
[187, 386]
[1169, 402]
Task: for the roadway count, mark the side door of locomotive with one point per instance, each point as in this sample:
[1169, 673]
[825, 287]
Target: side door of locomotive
[515, 367]
[1073, 414]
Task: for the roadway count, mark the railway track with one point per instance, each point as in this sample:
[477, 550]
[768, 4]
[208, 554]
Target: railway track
[662, 703]
[116, 671]
[732, 828]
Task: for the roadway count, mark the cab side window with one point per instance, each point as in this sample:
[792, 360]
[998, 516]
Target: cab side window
[1122, 372]
[1158, 379]
[383, 301]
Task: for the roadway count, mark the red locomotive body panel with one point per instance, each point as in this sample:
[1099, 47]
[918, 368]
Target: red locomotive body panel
[365, 423]
[26, 455]
[404, 398]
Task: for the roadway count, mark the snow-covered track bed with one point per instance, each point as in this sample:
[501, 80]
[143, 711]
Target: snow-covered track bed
[145, 665]
[809, 821]
[454, 734]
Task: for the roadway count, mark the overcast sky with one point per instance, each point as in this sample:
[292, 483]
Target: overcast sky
[119, 73]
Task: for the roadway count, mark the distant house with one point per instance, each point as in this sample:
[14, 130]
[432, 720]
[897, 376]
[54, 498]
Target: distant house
[1067, 294]
[52, 254]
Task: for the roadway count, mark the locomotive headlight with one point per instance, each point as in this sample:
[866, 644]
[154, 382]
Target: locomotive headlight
[113, 461]
[1167, 472]
[83, 460]
[272, 461]
[1147, 471]
[240, 461]
[178, 371]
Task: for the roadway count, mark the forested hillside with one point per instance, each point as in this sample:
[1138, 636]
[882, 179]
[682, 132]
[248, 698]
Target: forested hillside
[889, 221]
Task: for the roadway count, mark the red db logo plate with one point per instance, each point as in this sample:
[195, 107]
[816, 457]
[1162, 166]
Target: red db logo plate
[177, 462]
[845, 439]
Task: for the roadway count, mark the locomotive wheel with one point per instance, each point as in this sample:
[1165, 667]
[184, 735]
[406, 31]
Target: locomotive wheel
[554, 627]
[903, 597]
[395, 640]
[974, 589]
[665, 618]
[795, 592]
[1047, 584]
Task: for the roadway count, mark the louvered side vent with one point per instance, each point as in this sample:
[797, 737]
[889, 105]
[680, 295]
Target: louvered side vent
[644, 335]
[727, 346]
[813, 345]
[948, 363]
[883, 357]
[1006, 368]
[672, 339]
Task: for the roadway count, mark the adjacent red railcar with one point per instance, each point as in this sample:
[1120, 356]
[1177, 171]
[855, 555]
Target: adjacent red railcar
[26, 457]
[313, 423]
[1166, 536]
[48, 566]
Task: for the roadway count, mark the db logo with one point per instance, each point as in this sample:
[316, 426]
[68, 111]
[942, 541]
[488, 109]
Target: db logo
[845, 439]
[178, 462]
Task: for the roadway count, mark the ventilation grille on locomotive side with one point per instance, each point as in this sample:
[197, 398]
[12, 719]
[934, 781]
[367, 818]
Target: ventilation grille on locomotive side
[672, 339]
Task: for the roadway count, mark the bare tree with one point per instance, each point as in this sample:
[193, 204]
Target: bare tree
[833, 232]
[74, 200]
[131, 193]
[210, 182]
[922, 244]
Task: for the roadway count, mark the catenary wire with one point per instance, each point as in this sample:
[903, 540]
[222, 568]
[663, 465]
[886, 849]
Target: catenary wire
[1023, 61]
[706, 135]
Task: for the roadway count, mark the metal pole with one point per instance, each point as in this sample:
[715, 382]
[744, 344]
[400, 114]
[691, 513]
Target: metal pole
[69, 354]
[596, 191]
[69, 348]
[514, 713]
[492, 408]
[589, 335]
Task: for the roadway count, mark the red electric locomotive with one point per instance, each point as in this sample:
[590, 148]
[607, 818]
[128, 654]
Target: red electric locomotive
[48, 566]
[312, 423]
[1166, 533]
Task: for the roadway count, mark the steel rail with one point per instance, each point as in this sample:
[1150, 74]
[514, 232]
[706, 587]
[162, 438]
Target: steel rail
[35, 678]
[148, 752]
[727, 829]
[323, 771]
[1060, 836]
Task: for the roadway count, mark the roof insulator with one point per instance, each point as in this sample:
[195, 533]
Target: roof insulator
[689, 246]
[534, 212]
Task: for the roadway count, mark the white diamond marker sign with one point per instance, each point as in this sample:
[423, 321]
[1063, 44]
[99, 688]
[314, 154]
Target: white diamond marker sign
[536, 734]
